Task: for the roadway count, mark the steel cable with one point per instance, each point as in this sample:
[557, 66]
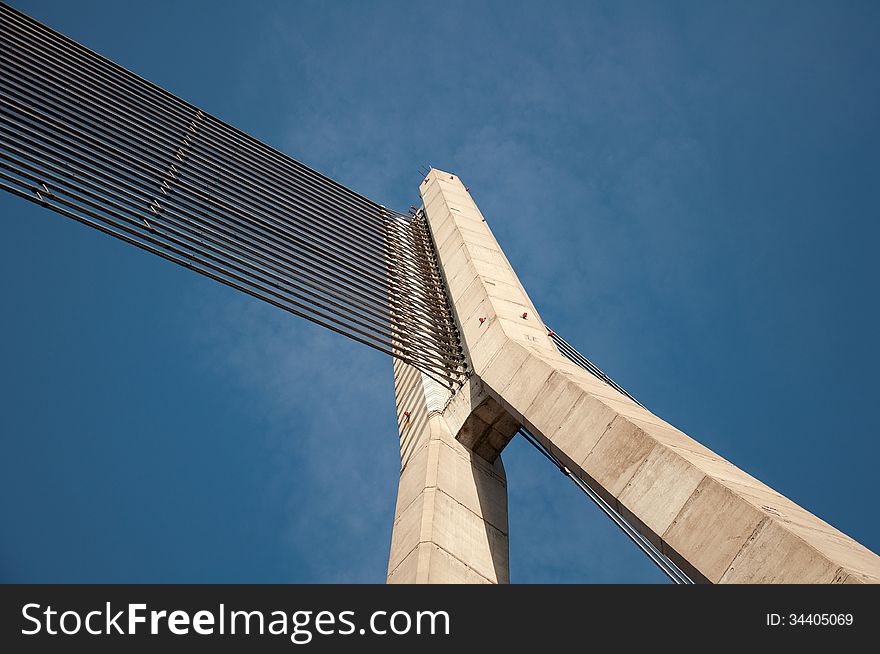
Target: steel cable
[94, 142]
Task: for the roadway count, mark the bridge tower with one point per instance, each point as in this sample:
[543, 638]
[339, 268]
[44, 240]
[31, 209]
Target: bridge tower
[473, 363]
[711, 520]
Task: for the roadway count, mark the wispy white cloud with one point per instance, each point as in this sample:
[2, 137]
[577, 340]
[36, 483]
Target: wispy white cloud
[329, 425]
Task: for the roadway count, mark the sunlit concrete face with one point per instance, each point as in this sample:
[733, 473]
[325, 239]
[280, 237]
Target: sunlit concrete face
[450, 522]
[714, 520]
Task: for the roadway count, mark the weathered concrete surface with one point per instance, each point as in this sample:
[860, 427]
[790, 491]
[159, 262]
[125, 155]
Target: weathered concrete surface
[450, 522]
[478, 421]
[717, 522]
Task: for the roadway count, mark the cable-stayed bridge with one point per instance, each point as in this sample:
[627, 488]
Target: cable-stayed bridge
[474, 364]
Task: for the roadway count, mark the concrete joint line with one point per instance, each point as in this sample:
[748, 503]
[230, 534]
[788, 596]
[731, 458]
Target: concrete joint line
[451, 555]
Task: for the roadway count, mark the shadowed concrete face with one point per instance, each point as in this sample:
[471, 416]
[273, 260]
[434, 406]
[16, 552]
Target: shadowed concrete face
[478, 421]
[716, 522]
[450, 522]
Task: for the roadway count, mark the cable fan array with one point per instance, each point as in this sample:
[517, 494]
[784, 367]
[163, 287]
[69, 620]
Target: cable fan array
[90, 140]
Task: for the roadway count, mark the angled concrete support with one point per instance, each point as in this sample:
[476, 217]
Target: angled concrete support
[716, 522]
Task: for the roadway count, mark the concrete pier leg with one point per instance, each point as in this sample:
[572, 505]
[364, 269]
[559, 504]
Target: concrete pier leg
[450, 523]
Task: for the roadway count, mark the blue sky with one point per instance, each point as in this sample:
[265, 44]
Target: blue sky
[687, 190]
